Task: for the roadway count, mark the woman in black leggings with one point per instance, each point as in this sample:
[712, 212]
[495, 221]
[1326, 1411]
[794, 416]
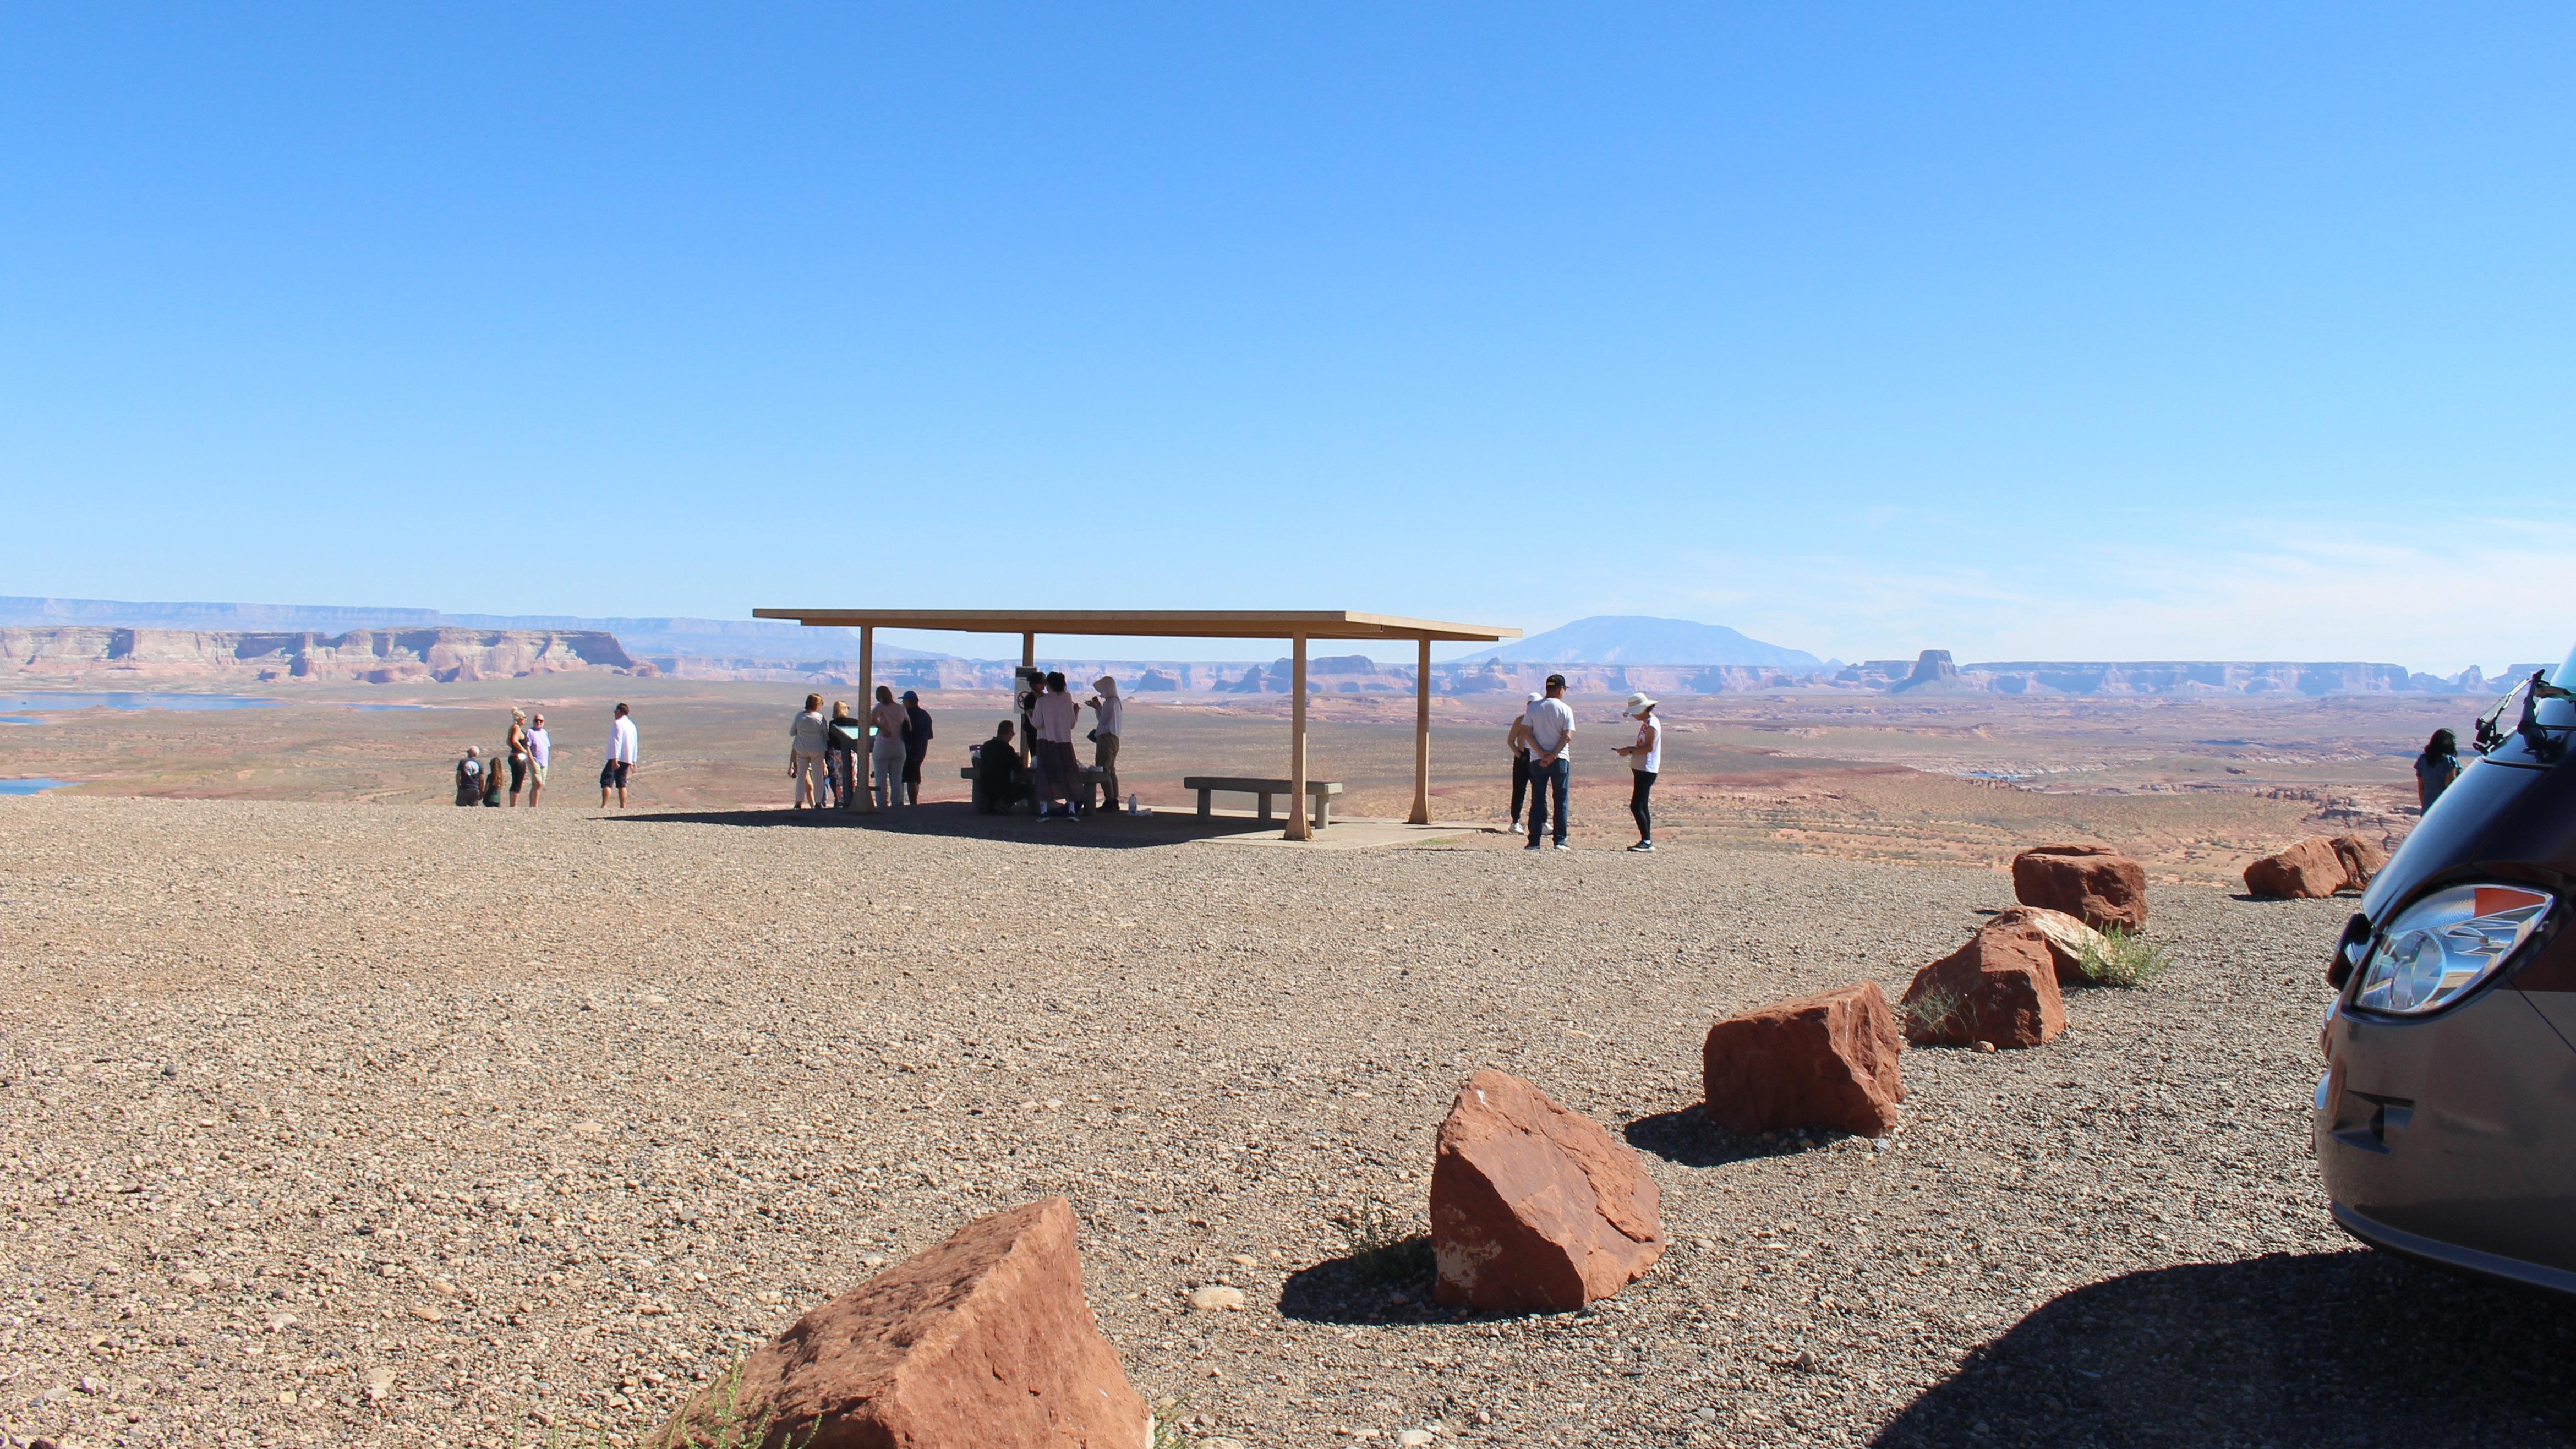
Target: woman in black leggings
[1645, 761]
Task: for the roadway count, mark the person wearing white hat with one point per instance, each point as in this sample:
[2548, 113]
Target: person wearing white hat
[1517, 740]
[1645, 761]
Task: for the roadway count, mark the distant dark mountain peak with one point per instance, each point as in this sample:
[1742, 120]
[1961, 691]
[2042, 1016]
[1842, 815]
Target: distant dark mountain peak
[1636, 639]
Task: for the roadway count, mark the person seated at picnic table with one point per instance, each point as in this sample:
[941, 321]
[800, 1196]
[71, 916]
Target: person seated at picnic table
[997, 773]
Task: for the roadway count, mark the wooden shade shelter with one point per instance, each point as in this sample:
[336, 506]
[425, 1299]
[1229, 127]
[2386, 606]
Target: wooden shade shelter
[1294, 625]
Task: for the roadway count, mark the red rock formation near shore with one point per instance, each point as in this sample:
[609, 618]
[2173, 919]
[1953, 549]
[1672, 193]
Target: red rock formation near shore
[984, 1340]
[1534, 1208]
[361, 656]
[2068, 939]
[2093, 883]
[1828, 1060]
[2000, 988]
[2311, 870]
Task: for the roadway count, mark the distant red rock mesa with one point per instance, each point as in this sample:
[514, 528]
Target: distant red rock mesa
[361, 656]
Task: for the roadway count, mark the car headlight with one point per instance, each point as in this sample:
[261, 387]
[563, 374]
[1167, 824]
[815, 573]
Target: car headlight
[2445, 944]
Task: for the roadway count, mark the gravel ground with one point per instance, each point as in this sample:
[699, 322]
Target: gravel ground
[329, 1123]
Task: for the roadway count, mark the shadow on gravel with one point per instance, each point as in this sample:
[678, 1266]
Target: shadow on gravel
[1687, 1139]
[959, 820]
[2354, 1348]
[1388, 1285]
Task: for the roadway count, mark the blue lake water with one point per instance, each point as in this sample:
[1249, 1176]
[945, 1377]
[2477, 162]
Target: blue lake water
[31, 787]
[120, 699]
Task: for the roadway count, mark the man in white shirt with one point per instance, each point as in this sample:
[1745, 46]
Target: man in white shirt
[1645, 761]
[1059, 772]
[1551, 734]
[621, 758]
[1111, 722]
[541, 753]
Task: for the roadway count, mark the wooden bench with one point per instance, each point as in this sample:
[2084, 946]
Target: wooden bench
[1319, 792]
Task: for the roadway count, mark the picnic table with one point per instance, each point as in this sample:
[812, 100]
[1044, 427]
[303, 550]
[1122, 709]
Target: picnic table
[1092, 775]
[1318, 792]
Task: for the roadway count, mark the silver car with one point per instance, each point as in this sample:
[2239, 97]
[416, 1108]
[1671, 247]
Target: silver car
[2445, 1124]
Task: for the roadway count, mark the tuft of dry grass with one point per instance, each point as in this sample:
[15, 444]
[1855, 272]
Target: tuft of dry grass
[2123, 960]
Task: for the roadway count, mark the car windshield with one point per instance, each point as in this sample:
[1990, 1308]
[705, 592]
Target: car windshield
[2537, 731]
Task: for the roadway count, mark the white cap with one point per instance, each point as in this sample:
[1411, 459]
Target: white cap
[1535, 698]
[1638, 703]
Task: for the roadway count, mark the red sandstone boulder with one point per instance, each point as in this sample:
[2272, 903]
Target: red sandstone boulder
[2068, 939]
[2000, 989]
[982, 1341]
[2361, 858]
[2307, 871]
[1819, 1061]
[2093, 883]
[1535, 1208]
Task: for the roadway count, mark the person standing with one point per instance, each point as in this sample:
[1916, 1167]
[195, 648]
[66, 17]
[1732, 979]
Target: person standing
[541, 752]
[622, 753]
[916, 745]
[1645, 761]
[2436, 768]
[807, 738]
[1110, 721]
[844, 739]
[469, 777]
[885, 751]
[1551, 735]
[1059, 773]
[1516, 739]
[517, 741]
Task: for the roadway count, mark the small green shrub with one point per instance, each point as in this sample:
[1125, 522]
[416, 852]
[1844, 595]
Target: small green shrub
[1937, 1013]
[1382, 1246]
[1168, 1433]
[2122, 959]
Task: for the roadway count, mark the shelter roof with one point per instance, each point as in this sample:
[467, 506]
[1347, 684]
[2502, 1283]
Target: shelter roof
[1152, 623]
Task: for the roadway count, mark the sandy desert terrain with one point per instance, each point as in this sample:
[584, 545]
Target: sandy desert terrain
[378, 1123]
[2193, 787]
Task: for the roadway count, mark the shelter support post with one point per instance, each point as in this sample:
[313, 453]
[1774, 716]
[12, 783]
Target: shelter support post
[1422, 737]
[866, 762]
[1028, 660]
[1298, 829]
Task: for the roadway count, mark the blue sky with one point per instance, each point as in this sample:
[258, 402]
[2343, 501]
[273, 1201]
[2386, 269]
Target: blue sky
[2174, 331]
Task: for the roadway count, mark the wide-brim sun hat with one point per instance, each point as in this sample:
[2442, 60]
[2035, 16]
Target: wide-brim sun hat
[1638, 702]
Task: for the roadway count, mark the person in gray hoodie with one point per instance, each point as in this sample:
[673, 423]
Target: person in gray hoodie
[1109, 719]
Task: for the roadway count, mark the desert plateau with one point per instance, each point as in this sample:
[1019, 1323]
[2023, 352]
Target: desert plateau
[334, 1114]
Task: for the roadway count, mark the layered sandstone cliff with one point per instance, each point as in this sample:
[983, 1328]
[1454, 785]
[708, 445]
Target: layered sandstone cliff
[361, 656]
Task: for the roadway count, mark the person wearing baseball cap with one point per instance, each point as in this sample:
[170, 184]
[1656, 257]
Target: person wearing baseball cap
[1645, 760]
[1551, 732]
